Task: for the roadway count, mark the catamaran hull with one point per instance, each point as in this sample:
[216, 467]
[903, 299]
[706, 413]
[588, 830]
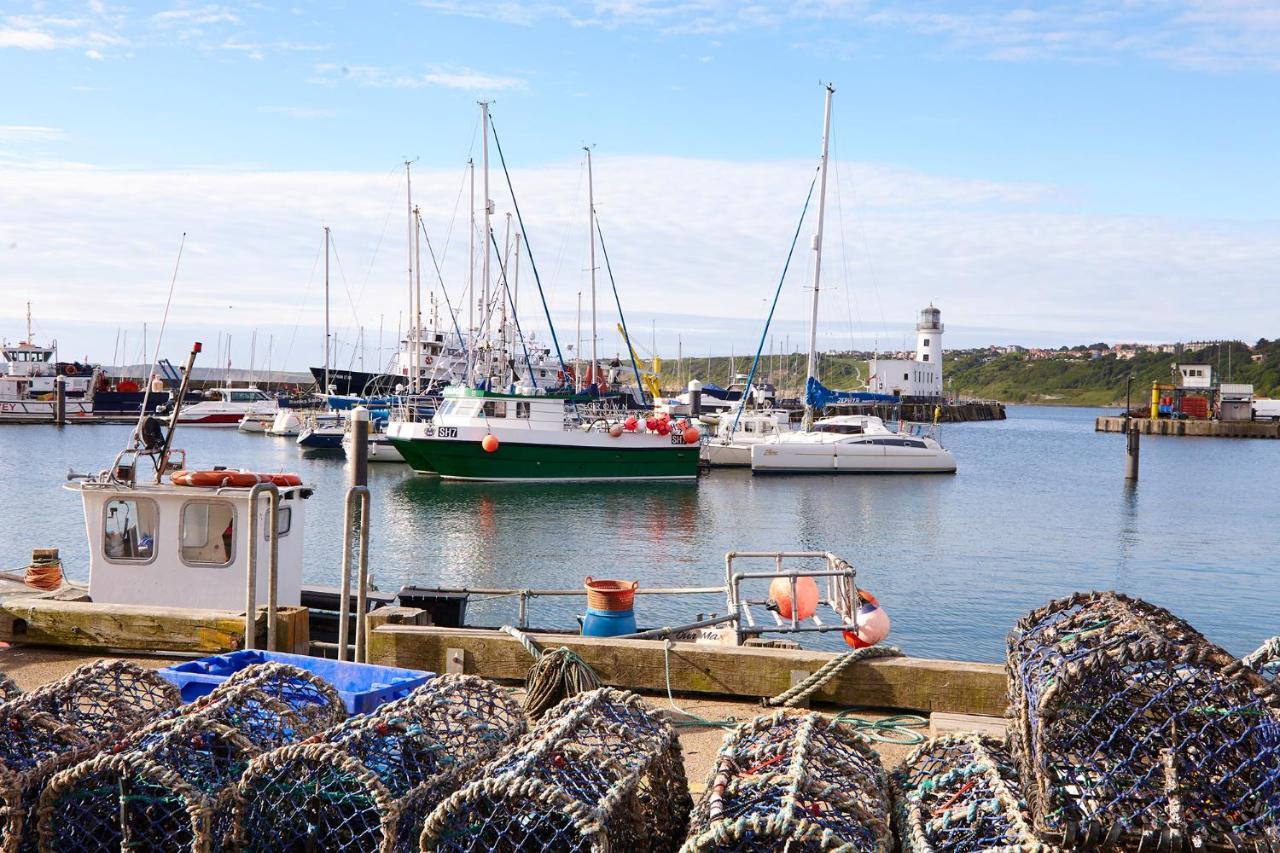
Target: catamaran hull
[520, 462]
[803, 458]
[727, 455]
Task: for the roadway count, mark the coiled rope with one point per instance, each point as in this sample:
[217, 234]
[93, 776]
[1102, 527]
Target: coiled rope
[829, 670]
[555, 675]
[45, 572]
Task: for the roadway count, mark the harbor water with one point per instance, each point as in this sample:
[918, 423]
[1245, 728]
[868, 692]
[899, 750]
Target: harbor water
[1038, 509]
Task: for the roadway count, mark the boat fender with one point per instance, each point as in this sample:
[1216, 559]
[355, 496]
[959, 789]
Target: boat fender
[873, 623]
[691, 435]
[806, 596]
[489, 443]
[615, 431]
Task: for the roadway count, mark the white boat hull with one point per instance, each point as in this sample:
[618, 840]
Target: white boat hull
[40, 411]
[721, 455]
[838, 458]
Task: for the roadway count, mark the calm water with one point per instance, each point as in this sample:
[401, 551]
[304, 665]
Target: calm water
[1038, 510]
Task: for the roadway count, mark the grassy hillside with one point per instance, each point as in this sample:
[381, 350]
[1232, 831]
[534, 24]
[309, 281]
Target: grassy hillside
[1013, 377]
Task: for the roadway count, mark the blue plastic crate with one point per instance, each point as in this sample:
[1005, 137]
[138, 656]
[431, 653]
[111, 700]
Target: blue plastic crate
[363, 686]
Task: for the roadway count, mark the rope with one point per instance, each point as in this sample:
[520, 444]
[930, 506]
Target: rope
[829, 670]
[1264, 654]
[555, 675]
[895, 729]
[694, 719]
[631, 351]
[44, 573]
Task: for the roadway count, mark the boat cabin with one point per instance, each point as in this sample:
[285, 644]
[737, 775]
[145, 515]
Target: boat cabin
[251, 394]
[469, 407]
[181, 546]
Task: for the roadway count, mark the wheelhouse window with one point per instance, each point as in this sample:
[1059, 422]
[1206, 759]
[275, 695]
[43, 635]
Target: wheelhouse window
[129, 530]
[208, 533]
[842, 429]
[284, 521]
[495, 409]
[522, 409]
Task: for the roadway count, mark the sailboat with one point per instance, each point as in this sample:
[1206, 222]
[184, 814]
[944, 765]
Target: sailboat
[527, 433]
[846, 444]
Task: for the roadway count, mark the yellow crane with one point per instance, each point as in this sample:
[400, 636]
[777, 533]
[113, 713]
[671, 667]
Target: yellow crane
[648, 378]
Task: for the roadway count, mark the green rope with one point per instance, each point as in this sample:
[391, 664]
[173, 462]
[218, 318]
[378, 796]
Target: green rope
[896, 729]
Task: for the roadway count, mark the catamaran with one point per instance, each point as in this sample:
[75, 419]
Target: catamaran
[847, 444]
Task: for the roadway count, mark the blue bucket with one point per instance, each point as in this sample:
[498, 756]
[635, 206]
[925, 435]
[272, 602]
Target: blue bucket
[608, 623]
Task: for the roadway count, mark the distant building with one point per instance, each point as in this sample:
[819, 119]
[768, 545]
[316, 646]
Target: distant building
[1195, 375]
[918, 377]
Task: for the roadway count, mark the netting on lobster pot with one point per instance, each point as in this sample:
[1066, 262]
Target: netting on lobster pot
[169, 787]
[105, 699]
[8, 688]
[600, 772]
[366, 785]
[33, 746]
[1265, 659]
[272, 704]
[793, 781]
[1131, 730]
[960, 794]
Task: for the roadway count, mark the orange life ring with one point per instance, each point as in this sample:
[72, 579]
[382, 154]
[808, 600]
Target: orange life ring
[69, 370]
[232, 479]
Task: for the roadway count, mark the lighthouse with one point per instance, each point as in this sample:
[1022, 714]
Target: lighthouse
[917, 379]
[929, 337]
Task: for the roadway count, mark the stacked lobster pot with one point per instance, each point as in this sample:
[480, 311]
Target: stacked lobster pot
[8, 688]
[600, 772]
[792, 781]
[1131, 731]
[367, 784]
[54, 726]
[960, 794]
[170, 786]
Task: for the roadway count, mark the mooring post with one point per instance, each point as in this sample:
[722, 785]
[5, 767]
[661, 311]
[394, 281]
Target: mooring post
[695, 398]
[359, 446]
[1132, 445]
[60, 400]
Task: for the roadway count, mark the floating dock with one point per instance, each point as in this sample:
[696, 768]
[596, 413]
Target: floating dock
[1205, 428]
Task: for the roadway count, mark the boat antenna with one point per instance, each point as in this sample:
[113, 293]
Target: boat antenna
[155, 360]
[817, 262]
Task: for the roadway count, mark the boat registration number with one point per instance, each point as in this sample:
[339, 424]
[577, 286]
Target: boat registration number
[447, 432]
[677, 438]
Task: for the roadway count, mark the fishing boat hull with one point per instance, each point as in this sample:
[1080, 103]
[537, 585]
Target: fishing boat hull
[532, 462]
[40, 411]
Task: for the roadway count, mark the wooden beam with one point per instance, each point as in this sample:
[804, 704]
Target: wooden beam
[88, 625]
[913, 683]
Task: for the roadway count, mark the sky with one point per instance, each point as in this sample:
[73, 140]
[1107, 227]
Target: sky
[1046, 174]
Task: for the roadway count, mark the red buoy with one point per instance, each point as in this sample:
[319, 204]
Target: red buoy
[489, 443]
[806, 596]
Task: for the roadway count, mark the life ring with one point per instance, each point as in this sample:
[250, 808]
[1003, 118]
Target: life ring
[69, 370]
[232, 479]
[427, 359]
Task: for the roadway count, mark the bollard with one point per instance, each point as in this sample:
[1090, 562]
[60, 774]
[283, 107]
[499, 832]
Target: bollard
[695, 398]
[60, 400]
[359, 446]
[1132, 446]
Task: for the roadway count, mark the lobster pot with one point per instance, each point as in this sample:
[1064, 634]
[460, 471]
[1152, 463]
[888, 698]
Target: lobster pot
[367, 784]
[8, 688]
[105, 699]
[272, 704]
[169, 789]
[33, 746]
[960, 794]
[1130, 730]
[1265, 659]
[600, 772]
[795, 782]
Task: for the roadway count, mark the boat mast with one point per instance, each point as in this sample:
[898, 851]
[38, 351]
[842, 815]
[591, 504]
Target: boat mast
[325, 389]
[471, 266]
[488, 211]
[28, 322]
[417, 305]
[408, 206]
[817, 259]
[502, 322]
[591, 233]
[577, 353]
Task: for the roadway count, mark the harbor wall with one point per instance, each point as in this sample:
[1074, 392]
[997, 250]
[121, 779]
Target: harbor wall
[1206, 428]
[962, 412]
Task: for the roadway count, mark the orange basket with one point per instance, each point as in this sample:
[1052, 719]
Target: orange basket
[611, 595]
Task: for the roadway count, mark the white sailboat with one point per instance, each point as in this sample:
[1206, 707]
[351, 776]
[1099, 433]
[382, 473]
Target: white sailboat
[847, 444]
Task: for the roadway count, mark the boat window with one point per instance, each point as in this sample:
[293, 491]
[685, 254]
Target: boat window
[446, 408]
[129, 530]
[522, 409]
[284, 521]
[843, 429]
[208, 533]
[495, 409]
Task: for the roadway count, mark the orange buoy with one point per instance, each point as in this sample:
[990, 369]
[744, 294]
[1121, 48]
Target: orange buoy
[691, 436]
[806, 596]
[489, 443]
[615, 431]
[873, 623]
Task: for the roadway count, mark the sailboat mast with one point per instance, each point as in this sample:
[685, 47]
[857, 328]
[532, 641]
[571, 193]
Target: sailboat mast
[471, 266]
[29, 322]
[417, 305]
[488, 210]
[326, 311]
[408, 206]
[591, 234]
[577, 352]
[817, 250]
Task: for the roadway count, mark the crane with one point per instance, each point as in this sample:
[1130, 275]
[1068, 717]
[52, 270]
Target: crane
[648, 378]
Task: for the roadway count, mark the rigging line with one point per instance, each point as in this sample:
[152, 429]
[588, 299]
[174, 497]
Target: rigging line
[528, 247]
[354, 314]
[795, 238]
[443, 290]
[850, 297]
[448, 234]
[374, 257]
[564, 238]
[164, 320]
[315, 264]
[860, 224]
[502, 271]
[631, 351]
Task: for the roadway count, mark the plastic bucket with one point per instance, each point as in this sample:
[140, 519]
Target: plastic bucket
[611, 595]
[608, 623]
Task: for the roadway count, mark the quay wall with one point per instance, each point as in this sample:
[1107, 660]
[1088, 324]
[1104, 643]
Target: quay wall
[969, 410]
[1210, 429]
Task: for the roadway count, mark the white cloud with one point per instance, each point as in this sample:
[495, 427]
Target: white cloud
[374, 76]
[26, 39]
[187, 16]
[95, 55]
[29, 133]
[698, 243]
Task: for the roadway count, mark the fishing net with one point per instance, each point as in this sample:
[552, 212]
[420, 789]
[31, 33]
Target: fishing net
[797, 782]
[600, 772]
[960, 794]
[1130, 729]
[367, 784]
[8, 688]
[33, 746]
[168, 788]
[1265, 659]
[171, 786]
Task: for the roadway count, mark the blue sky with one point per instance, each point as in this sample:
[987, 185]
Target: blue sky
[1047, 173]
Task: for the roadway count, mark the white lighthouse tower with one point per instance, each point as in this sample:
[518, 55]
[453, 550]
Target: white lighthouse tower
[919, 378]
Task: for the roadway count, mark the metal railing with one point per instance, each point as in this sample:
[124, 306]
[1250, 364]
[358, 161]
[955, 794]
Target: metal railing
[273, 567]
[356, 495]
[839, 595]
